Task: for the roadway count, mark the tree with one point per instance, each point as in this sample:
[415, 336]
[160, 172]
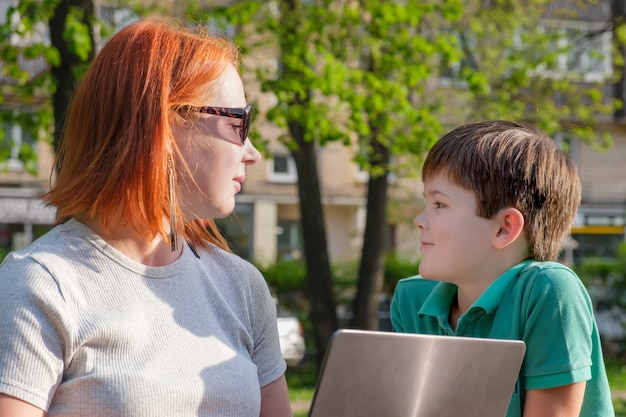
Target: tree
[385, 52]
[71, 33]
[70, 48]
[520, 60]
[371, 74]
[306, 119]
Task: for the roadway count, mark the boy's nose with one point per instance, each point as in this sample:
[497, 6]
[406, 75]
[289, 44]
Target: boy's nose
[418, 220]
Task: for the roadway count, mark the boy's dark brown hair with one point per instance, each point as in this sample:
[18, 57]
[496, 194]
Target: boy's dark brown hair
[512, 164]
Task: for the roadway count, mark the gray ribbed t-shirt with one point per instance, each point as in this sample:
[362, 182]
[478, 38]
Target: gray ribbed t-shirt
[86, 331]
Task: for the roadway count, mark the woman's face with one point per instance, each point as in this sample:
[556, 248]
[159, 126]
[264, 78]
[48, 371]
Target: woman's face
[212, 151]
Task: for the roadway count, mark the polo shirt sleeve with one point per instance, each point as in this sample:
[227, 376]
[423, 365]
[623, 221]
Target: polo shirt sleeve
[408, 297]
[397, 305]
[557, 329]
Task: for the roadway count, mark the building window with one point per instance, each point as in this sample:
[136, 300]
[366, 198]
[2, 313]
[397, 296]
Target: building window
[362, 175]
[451, 70]
[238, 229]
[289, 242]
[568, 143]
[16, 142]
[582, 53]
[282, 169]
[566, 49]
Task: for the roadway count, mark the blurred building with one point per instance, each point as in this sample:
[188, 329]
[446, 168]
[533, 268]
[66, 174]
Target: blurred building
[266, 224]
[599, 225]
[22, 215]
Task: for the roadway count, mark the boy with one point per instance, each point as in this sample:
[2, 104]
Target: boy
[500, 197]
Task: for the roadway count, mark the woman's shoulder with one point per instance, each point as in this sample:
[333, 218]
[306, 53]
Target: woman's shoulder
[231, 266]
[48, 246]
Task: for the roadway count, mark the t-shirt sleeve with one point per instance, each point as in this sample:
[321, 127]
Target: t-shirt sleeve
[266, 352]
[33, 331]
[557, 331]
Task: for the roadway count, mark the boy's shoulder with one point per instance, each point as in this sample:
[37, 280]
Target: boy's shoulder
[414, 286]
[415, 281]
[546, 282]
[546, 272]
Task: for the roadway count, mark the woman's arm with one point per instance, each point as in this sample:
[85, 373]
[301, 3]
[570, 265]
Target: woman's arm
[564, 401]
[274, 399]
[11, 406]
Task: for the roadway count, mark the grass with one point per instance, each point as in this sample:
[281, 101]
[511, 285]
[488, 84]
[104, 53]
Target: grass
[616, 372]
[302, 379]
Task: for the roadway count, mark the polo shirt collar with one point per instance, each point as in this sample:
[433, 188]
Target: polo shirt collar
[490, 299]
[440, 299]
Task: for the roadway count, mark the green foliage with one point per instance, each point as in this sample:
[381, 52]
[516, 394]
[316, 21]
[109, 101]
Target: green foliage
[34, 115]
[289, 276]
[362, 78]
[3, 253]
[609, 272]
[23, 40]
[76, 34]
[284, 275]
[510, 68]
[397, 268]
[33, 125]
[605, 278]
[616, 372]
[598, 270]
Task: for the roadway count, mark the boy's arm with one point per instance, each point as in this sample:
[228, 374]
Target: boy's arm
[564, 401]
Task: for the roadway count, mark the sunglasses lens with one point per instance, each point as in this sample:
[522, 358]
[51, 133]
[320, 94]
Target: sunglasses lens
[247, 115]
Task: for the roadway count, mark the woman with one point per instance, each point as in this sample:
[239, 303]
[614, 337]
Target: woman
[133, 305]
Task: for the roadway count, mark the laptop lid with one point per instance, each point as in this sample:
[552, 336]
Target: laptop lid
[385, 374]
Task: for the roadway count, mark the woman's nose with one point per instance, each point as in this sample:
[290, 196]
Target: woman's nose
[251, 155]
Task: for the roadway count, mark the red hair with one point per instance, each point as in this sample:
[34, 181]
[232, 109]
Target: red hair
[117, 142]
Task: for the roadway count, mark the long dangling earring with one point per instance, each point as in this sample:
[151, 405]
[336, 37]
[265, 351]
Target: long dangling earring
[172, 208]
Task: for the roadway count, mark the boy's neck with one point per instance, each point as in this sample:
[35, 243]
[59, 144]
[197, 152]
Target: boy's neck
[469, 291]
[455, 314]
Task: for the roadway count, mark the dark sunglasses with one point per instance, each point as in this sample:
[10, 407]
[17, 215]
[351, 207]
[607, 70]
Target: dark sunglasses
[245, 114]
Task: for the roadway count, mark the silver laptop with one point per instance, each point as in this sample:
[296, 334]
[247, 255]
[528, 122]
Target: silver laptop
[385, 374]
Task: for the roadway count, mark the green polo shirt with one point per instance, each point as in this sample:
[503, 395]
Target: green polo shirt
[542, 303]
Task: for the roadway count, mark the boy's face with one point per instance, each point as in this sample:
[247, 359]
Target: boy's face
[455, 243]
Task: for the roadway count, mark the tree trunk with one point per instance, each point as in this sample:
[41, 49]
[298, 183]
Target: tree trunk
[322, 311]
[371, 269]
[618, 12]
[64, 74]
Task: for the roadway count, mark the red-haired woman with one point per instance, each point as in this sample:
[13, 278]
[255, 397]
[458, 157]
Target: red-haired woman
[133, 305]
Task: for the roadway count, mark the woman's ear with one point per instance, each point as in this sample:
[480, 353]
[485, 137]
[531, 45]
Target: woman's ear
[511, 222]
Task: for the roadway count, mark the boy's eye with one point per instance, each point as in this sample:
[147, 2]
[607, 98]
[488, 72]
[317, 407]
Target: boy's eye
[437, 204]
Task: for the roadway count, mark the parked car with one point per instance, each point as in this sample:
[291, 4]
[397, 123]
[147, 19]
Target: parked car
[291, 338]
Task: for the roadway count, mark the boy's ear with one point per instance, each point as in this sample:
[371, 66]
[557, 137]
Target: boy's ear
[511, 222]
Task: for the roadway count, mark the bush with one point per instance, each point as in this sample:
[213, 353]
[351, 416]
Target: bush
[605, 279]
[397, 268]
[287, 279]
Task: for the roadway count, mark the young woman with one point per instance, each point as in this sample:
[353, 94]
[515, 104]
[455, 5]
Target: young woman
[133, 305]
